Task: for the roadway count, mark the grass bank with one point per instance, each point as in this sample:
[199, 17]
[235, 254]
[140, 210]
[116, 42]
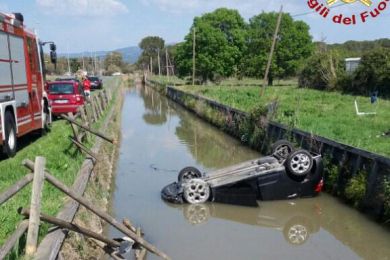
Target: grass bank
[98, 190]
[328, 114]
[173, 80]
[63, 160]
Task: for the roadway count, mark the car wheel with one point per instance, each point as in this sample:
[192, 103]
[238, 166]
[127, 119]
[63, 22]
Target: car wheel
[189, 173]
[282, 148]
[10, 142]
[196, 191]
[299, 163]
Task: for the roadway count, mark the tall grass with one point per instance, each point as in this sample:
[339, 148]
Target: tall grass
[328, 114]
[63, 161]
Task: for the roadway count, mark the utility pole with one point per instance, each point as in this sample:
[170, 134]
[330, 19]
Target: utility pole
[265, 80]
[159, 62]
[193, 57]
[166, 58]
[68, 60]
[151, 65]
[83, 62]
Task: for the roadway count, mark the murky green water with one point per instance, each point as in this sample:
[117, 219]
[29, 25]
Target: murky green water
[159, 138]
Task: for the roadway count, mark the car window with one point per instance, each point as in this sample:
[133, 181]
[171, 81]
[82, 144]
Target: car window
[93, 78]
[61, 89]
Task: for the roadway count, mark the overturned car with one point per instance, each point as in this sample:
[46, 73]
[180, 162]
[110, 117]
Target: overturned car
[286, 174]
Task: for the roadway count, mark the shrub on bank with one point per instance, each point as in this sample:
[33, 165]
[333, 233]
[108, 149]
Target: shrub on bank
[326, 71]
[356, 188]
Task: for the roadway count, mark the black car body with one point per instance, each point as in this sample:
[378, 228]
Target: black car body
[96, 83]
[268, 178]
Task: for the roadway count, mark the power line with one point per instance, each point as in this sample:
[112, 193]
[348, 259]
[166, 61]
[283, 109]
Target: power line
[312, 12]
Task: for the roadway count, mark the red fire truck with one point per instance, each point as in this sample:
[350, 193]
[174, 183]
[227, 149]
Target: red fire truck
[24, 106]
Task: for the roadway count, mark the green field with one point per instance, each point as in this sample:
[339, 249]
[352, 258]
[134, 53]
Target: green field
[328, 114]
[62, 160]
[173, 80]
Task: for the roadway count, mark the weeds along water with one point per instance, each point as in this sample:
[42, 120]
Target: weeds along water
[328, 114]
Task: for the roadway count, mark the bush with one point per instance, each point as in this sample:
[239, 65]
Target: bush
[321, 71]
[325, 71]
[356, 188]
[253, 128]
[386, 188]
[373, 74]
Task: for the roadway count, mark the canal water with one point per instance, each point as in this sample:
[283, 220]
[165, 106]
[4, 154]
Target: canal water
[159, 138]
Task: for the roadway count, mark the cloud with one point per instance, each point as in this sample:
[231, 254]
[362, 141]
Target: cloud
[246, 7]
[82, 7]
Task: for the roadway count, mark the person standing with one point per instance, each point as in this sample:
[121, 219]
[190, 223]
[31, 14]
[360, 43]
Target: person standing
[87, 87]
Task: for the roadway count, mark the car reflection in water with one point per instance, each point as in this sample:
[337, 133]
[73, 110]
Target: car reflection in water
[297, 220]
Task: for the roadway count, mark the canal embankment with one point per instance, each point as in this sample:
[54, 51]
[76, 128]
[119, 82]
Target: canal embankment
[360, 178]
[100, 185]
[160, 137]
[64, 161]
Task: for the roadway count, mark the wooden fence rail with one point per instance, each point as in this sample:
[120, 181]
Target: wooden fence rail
[88, 115]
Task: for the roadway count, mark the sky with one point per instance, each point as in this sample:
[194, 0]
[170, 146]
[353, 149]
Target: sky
[104, 25]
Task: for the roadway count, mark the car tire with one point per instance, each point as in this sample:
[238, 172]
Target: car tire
[299, 163]
[46, 121]
[196, 191]
[282, 149]
[188, 173]
[10, 142]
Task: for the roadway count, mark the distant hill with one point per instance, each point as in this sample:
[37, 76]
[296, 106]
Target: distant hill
[130, 54]
[357, 48]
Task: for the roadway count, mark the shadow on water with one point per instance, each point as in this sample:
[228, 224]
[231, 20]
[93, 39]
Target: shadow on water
[159, 138]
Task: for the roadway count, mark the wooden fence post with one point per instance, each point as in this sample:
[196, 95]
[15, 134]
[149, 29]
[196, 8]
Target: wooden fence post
[96, 103]
[93, 111]
[102, 102]
[74, 128]
[33, 225]
[88, 114]
[99, 104]
[106, 96]
[102, 214]
[85, 120]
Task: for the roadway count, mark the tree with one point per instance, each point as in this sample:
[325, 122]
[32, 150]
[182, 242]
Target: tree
[150, 46]
[220, 42]
[114, 60]
[294, 45]
[75, 65]
[322, 71]
[373, 73]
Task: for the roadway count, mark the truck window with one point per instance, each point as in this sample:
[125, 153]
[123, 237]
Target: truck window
[33, 55]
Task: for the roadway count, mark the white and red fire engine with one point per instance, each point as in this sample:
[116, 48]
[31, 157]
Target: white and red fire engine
[23, 102]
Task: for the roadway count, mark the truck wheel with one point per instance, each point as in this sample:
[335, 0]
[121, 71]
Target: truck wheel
[46, 121]
[282, 148]
[196, 191]
[10, 142]
[189, 173]
[299, 163]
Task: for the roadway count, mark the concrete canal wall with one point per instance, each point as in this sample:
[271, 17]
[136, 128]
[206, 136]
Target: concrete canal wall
[359, 177]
